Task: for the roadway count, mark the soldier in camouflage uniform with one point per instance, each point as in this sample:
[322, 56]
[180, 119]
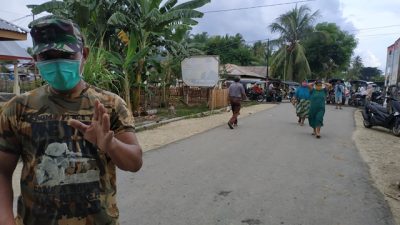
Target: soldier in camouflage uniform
[70, 136]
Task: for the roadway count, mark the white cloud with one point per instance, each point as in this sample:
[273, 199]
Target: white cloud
[370, 59]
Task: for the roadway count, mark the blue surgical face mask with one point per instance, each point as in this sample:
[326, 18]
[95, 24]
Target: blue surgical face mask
[61, 74]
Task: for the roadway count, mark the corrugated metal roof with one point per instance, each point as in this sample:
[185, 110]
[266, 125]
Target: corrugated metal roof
[260, 70]
[5, 25]
[235, 70]
[12, 49]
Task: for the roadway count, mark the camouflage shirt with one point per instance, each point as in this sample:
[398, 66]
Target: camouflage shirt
[65, 179]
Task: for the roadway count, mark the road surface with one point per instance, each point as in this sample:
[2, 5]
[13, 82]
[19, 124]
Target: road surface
[268, 171]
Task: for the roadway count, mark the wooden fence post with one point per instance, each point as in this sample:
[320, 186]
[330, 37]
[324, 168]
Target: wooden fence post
[16, 89]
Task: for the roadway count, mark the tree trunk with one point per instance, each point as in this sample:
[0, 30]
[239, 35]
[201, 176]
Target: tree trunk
[136, 90]
[166, 80]
[127, 94]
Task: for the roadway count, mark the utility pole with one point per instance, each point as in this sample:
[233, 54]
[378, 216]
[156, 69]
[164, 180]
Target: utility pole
[284, 68]
[268, 58]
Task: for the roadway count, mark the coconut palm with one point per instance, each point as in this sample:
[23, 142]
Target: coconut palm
[293, 26]
[354, 72]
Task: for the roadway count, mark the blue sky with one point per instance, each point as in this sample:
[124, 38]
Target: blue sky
[364, 19]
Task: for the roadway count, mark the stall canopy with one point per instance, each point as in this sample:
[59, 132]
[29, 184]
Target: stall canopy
[11, 51]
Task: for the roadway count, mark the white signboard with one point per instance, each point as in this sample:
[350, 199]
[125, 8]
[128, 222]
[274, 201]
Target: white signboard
[200, 71]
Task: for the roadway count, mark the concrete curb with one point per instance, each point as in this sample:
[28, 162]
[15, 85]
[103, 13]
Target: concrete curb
[163, 122]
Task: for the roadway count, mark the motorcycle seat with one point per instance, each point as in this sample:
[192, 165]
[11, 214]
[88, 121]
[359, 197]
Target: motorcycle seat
[380, 108]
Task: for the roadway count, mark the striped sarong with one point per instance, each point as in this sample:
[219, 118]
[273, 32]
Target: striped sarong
[302, 108]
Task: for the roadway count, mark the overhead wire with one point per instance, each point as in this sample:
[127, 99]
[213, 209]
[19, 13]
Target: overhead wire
[15, 20]
[256, 7]
[15, 13]
[373, 28]
[376, 35]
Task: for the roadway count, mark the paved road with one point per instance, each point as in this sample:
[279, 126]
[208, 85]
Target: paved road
[268, 171]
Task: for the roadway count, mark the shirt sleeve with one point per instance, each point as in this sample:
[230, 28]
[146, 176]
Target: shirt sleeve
[8, 129]
[121, 119]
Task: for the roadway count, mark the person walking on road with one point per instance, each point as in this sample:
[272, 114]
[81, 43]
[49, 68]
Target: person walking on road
[303, 102]
[339, 91]
[70, 135]
[236, 94]
[317, 107]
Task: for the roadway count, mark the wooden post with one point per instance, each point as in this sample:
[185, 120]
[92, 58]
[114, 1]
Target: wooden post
[187, 95]
[212, 100]
[16, 88]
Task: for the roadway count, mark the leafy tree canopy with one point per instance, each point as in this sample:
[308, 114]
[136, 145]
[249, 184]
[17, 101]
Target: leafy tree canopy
[231, 49]
[329, 50]
[370, 73]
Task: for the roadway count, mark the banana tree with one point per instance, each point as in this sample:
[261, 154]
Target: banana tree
[125, 60]
[150, 21]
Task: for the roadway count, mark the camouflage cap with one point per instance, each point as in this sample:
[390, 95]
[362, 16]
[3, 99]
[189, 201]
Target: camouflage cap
[55, 33]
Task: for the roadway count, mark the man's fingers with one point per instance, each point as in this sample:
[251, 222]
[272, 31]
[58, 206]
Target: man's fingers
[108, 139]
[106, 122]
[102, 111]
[78, 125]
[96, 110]
[109, 136]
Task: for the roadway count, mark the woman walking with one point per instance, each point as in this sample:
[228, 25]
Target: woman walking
[303, 102]
[317, 107]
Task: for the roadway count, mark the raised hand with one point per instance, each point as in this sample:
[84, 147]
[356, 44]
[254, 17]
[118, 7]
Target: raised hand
[98, 132]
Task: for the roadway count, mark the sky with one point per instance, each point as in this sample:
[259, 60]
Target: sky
[375, 23]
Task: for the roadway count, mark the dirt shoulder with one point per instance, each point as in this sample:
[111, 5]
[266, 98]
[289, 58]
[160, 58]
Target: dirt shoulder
[381, 151]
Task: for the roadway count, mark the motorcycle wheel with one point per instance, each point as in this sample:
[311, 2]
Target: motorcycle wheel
[396, 128]
[260, 98]
[367, 124]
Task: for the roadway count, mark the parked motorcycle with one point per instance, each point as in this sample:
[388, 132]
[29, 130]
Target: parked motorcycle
[357, 99]
[375, 114]
[377, 97]
[274, 96]
[259, 97]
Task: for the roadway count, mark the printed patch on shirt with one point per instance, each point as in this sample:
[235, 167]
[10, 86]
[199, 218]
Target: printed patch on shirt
[60, 166]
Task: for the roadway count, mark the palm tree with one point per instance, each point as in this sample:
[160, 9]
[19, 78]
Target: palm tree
[293, 26]
[354, 72]
[260, 52]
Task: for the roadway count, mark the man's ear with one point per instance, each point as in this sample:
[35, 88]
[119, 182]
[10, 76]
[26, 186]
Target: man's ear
[85, 53]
